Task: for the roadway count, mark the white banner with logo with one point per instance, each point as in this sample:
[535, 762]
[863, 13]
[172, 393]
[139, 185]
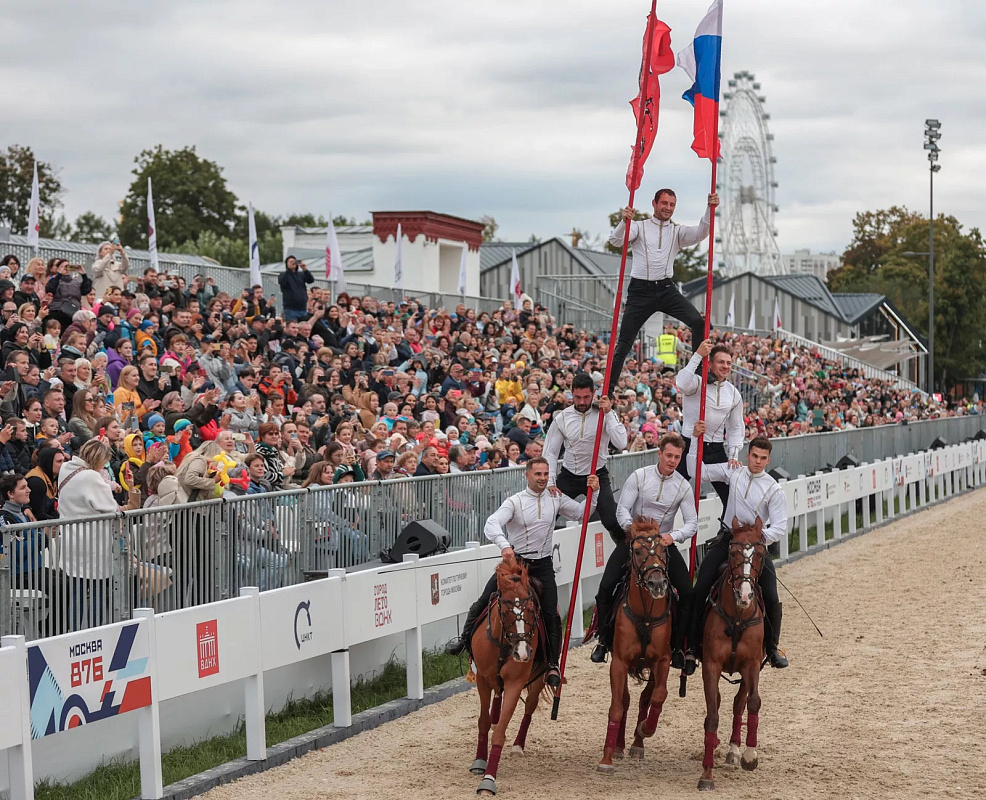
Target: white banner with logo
[303, 621]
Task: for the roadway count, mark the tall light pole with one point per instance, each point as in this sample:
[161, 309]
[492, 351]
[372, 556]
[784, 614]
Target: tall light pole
[932, 133]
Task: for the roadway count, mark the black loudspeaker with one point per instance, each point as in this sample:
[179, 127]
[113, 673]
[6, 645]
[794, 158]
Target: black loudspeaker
[422, 538]
[780, 474]
[939, 443]
[847, 462]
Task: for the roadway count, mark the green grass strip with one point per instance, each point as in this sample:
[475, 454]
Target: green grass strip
[121, 781]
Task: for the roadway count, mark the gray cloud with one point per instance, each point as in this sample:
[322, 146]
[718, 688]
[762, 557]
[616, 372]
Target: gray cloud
[515, 109]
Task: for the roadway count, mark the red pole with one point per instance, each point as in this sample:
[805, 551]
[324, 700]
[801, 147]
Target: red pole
[705, 365]
[614, 330]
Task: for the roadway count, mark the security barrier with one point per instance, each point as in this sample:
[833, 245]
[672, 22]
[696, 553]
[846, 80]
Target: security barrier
[80, 679]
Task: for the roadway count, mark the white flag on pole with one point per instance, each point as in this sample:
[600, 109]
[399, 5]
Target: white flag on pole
[515, 289]
[731, 314]
[151, 229]
[255, 278]
[333, 259]
[753, 317]
[398, 264]
[34, 213]
[777, 314]
[462, 270]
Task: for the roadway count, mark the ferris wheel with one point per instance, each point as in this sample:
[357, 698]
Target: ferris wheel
[748, 242]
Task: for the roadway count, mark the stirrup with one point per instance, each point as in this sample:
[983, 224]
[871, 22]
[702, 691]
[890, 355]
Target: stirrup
[456, 646]
[553, 677]
[691, 662]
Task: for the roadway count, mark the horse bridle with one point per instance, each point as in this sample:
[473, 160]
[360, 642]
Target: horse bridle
[651, 542]
[754, 576]
[516, 610]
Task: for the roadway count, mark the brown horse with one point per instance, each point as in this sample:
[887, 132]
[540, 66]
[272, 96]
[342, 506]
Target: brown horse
[733, 642]
[642, 642]
[503, 651]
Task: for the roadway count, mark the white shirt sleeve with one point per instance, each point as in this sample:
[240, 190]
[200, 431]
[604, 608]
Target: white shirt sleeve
[730, 512]
[616, 237]
[628, 496]
[690, 235]
[735, 429]
[496, 523]
[687, 381]
[615, 430]
[689, 518]
[575, 509]
[777, 508]
[552, 447]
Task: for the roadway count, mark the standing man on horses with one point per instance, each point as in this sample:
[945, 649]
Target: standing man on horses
[752, 493]
[575, 429]
[524, 526]
[653, 492]
[655, 242]
[723, 430]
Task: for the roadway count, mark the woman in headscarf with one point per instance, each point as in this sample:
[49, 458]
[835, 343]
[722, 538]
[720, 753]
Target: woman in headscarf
[133, 447]
[43, 482]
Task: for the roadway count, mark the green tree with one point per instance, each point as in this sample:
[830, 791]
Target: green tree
[490, 227]
[190, 198]
[16, 177]
[91, 229]
[875, 262]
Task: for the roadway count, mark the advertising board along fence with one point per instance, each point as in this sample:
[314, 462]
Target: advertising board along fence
[57, 684]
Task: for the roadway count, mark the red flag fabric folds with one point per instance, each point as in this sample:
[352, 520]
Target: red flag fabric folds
[648, 100]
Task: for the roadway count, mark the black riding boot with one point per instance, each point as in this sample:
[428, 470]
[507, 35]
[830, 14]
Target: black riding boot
[552, 629]
[462, 641]
[776, 658]
[604, 629]
[679, 627]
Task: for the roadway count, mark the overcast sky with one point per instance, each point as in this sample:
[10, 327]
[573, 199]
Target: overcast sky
[514, 109]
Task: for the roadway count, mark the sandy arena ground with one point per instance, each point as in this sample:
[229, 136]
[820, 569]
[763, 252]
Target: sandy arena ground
[890, 704]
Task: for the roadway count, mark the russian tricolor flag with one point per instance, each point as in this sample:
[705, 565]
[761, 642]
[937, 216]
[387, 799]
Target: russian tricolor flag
[701, 60]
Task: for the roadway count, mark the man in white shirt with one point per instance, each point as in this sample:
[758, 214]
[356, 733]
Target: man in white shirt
[752, 493]
[524, 525]
[723, 430]
[653, 492]
[575, 428]
[655, 243]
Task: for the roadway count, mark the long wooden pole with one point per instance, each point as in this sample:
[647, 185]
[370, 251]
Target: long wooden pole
[614, 330]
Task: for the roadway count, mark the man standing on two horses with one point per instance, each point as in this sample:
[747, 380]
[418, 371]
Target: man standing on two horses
[655, 242]
[723, 430]
[574, 428]
[524, 526]
[653, 492]
[752, 494]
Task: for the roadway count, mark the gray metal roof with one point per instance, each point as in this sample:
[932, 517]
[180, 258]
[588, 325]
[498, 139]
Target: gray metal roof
[856, 305]
[600, 262]
[492, 254]
[352, 260]
[19, 242]
[807, 288]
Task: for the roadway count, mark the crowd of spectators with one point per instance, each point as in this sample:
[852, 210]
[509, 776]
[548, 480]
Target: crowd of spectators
[130, 391]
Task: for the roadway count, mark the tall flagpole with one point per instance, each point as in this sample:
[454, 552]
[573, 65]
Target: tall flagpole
[614, 330]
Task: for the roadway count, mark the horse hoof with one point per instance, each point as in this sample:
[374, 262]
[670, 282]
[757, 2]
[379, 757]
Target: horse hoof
[487, 787]
[732, 758]
[636, 754]
[750, 765]
[605, 769]
[478, 767]
[706, 784]
[618, 755]
[517, 750]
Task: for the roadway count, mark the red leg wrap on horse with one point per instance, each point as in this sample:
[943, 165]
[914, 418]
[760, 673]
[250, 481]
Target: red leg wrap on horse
[521, 739]
[612, 734]
[737, 737]
[495, 710]
[653, 715]
[621, 739]
[494, 760]
[482, 748]
[711, 743]
[752, 722]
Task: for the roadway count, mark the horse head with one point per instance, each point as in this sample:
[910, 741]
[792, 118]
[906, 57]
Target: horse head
[518, 614]
[649, 557]
[746, 554]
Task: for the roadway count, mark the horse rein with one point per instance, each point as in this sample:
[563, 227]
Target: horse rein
[515, 610]
[640, 573]
[644, 623]
[736, 625]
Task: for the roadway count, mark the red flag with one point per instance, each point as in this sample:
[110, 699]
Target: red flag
[662, 60]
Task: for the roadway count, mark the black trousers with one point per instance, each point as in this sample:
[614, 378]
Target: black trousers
[573, 486]
[544, 570]
[712, 453]
[616, 568]
[644, 300]
[714, 556]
